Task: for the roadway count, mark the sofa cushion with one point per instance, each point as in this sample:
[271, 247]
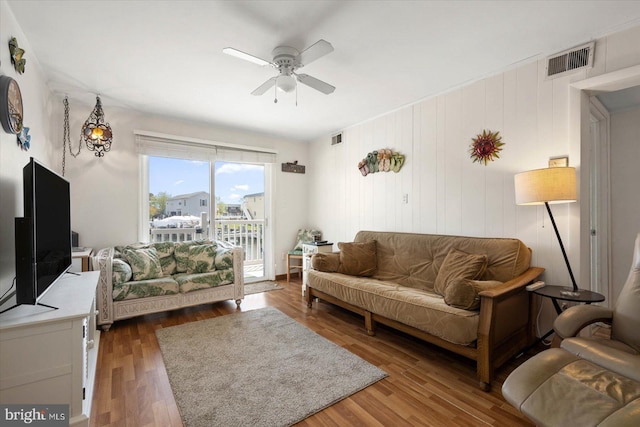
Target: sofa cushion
[201, 258]
[121, 271]
[358, 259]
[413, 259]
[145, 288]
[423, 310]
[166, 255]
[181, 253]
[459, 265]
[144, 263]
[211, 279]
[324, 261]
[224, 258]
[463, 293]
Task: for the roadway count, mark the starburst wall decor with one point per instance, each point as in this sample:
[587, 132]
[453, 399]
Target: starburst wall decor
[486, 146]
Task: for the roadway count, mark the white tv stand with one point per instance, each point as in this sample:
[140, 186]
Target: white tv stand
[49, 356]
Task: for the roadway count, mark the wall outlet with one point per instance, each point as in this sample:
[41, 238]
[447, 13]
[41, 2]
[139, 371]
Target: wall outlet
[405, 198]
[284, 256]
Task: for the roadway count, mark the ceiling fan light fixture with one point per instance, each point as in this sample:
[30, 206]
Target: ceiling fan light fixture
[286, 83]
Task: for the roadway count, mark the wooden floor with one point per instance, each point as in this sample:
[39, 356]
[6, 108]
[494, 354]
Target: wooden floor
[426, 386]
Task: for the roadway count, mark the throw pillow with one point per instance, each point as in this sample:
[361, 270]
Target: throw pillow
[165, 252]
[358, 259]
[224, 258]
[306, 236]
[120, 271]
[144, 263]
[463, 293]
[201, 258]
[459, 265]
[327, 262]
[181, 252]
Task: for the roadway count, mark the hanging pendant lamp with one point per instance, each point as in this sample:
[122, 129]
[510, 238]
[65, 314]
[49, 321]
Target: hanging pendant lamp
[96, 133]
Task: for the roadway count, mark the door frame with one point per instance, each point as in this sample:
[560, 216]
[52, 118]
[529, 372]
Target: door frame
[600, 201]
[579, 135]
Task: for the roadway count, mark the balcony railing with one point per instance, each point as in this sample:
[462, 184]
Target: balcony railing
[249, 234]
[175, 234]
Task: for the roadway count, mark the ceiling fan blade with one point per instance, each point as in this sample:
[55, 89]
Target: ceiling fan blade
[264, 86]
[315, 51]
[316, 84]
[242, 55]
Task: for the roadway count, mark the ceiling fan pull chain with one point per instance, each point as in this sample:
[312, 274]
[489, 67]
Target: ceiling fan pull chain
[296, 94]
[275, 92]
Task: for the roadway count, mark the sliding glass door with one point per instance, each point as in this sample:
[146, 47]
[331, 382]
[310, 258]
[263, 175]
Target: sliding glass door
[182, 207]
[240, 212]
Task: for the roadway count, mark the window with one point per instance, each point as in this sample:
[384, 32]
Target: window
[178, 194]
[177, 169]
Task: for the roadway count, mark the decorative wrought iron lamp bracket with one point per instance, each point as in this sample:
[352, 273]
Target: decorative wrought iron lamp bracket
[96, 133]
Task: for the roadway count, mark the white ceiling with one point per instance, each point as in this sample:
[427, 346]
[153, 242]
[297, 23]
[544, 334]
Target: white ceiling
[165, 57]
[621, 100]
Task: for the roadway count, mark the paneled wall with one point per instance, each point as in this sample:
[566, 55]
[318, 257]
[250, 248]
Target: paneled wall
[448, 193]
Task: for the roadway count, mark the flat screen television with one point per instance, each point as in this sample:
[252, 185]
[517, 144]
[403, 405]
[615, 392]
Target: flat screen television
[43, 235]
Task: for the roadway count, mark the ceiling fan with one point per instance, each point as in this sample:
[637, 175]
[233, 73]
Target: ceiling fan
[287, 61]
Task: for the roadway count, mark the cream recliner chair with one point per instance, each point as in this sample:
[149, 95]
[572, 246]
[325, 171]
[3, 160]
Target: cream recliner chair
[587, 381]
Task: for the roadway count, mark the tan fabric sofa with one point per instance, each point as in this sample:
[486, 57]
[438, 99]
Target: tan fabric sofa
[401, 293]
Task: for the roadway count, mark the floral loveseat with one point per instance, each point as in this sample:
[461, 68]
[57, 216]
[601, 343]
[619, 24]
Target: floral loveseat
[148, 278]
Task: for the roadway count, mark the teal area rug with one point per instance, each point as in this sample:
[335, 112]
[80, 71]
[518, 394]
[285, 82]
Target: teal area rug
[257, 368]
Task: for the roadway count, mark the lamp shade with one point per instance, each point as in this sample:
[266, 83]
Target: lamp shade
[551, 185]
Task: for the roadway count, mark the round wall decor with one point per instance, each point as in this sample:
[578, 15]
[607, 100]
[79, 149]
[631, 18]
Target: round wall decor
[10, 105]
[486, 146]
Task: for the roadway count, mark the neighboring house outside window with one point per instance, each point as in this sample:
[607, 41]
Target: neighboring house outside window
[191, 204]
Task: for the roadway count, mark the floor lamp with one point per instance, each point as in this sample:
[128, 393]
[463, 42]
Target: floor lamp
[549, 186]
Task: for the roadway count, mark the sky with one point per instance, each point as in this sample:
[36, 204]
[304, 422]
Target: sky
[232, 180]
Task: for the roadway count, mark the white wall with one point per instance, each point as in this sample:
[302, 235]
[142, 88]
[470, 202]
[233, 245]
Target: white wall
[447, 193]
[36, 99]
[105, 199]
[625, 193]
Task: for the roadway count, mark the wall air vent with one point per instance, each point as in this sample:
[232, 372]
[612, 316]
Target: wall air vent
[570, 60]
[336, 139]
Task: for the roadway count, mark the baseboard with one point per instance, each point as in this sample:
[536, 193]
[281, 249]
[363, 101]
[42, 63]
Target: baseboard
[294, 277]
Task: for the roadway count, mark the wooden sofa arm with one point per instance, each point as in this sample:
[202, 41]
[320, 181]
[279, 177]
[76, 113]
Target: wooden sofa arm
[506, 323]
[513, 286]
